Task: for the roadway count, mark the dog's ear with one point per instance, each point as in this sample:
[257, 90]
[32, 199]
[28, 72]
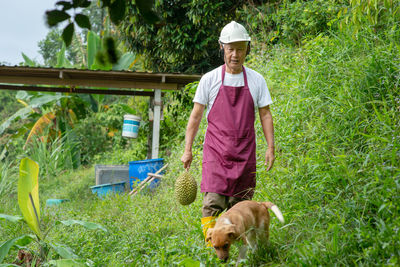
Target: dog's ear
[209, 233]
[232, 233]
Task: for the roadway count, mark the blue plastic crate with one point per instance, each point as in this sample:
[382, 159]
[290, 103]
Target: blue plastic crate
[138, 171]
[103, 190]
[55, 201]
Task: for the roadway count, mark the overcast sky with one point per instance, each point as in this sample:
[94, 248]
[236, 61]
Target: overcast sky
[22, 26]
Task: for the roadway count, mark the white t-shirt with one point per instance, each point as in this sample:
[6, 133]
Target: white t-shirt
[209, 85]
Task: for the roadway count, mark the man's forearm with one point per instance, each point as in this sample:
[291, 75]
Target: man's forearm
[193, 126]
[268, 127]
[191, 132]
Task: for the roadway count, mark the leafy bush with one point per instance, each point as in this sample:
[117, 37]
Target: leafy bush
[192, 29]
[177, 108]
[100, 135]
[289, 21]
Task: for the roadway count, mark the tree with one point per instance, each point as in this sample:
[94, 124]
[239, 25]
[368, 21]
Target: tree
[187, 38]
[75, 53]
[50, 46]
[172, 35]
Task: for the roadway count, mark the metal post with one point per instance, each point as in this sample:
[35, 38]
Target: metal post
[156, 124]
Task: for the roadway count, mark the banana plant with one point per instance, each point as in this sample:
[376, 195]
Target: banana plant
[28, 201]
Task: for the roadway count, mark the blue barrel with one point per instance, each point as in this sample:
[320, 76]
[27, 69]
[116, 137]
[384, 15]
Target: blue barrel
[139, 169]
[103, 190]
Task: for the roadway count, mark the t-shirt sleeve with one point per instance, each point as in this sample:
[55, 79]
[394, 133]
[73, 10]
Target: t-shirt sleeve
[264, 97]
[201, 95]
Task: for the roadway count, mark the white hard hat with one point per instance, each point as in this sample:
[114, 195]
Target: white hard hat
[234, 32]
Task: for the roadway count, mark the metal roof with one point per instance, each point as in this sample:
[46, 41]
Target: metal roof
[12, 77]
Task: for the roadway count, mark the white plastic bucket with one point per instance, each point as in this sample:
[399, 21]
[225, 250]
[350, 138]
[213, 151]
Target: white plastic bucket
[131, 126]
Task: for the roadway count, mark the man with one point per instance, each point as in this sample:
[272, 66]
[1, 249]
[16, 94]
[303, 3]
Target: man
[231, 94]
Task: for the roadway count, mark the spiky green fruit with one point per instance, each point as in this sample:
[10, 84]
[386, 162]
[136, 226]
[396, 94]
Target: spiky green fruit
[185, 188]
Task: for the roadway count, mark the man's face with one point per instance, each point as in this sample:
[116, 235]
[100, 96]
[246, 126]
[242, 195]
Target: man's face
[235, 54]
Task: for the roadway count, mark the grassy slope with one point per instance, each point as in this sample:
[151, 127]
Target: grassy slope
[336, 177]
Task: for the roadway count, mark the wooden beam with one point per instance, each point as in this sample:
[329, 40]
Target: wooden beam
[89, 82]
[77, 90]
[94, 78]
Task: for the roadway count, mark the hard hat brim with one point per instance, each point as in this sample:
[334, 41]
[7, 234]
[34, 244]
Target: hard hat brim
[234, 41]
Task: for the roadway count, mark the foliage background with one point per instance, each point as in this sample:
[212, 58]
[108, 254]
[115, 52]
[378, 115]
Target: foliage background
[335, 86]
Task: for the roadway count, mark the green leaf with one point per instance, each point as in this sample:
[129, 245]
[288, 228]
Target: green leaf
[56, 16]
[11, 218]
[67, 34]
[127, 108]
[61, 57]
[81, 3]
[189, 262]
[82, 21]
[22, 113]
[64, 251]
[68, 263]
[146, 10]
[125, 61]
[117, 11]
[87, 225]
[28, 194]
[93, 45]
[23, 95]
[66, 5]
[35, 102]
[45, 99]
[28, 61]
[7, 245]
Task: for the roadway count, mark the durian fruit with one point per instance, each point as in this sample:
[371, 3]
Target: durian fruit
[185, 188]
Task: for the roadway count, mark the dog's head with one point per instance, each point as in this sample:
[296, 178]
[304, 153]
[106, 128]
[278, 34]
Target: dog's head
[221, 239]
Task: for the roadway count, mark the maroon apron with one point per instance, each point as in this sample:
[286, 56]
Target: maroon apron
[229, 154]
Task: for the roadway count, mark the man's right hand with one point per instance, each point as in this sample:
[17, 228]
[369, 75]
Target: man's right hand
[187, 159]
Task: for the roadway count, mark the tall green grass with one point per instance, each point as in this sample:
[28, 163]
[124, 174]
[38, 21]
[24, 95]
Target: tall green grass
[6, 179]
[54, 155]
[337, 131]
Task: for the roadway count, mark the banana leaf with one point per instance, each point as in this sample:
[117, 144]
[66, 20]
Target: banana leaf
[64, 251]
[10, 218]
[93, 45]
[19, 241]
[40, 125]
[126, 62]
[28, 194]
[29, 62]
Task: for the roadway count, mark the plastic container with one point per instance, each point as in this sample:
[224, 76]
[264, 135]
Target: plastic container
[131, 125]
[55, 201]
[138, 171]
[103, 190]
[106, 174]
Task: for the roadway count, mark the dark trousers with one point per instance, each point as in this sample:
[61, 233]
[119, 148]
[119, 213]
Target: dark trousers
[214, 204]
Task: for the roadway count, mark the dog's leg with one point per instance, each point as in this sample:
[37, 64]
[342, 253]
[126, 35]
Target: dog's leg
[251, 239]
[242, 254]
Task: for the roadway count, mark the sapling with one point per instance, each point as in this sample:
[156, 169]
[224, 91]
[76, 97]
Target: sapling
[28, 201]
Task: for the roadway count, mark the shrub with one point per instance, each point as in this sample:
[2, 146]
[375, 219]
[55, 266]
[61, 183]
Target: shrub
[192, 29]
[289, 21]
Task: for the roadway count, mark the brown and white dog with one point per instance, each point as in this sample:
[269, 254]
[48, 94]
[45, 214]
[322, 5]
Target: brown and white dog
[247, 221]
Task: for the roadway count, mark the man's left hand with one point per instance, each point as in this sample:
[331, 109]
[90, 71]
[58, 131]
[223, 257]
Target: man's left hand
[269, 158]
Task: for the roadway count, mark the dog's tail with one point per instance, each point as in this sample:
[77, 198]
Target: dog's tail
[275, 210]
